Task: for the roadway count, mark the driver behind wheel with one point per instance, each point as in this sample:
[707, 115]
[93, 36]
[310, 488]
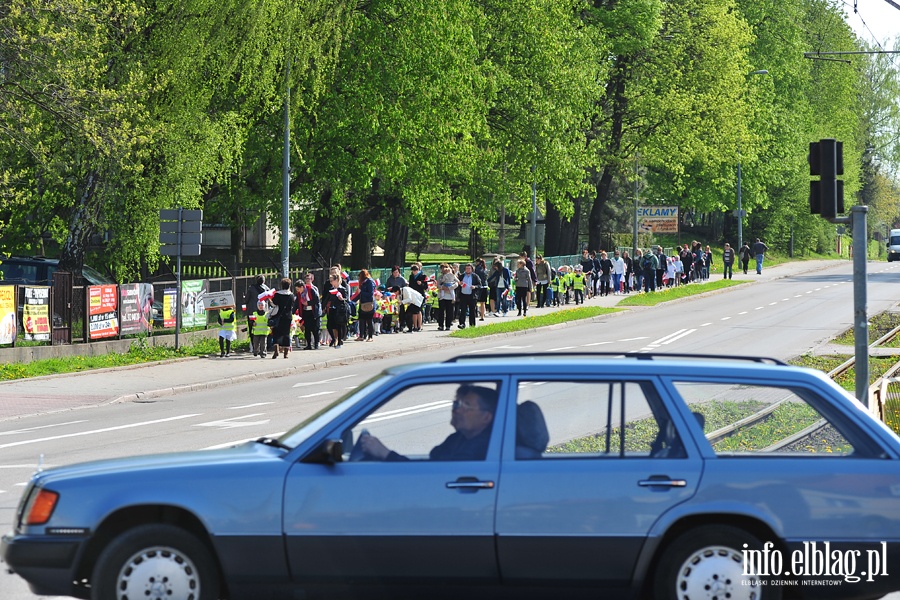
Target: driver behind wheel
[471, 417]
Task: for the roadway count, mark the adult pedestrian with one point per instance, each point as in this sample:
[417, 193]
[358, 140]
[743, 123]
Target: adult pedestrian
[660, 266]
[638, 262]
[498, 285]
[618, 272]
[309, 307]
[542, 270]
[283, 315]
[253, 292]
[708, 265]
[604, 273]
[524, 285]
[629, 271]
[397, 280]
[529, 264]
[744, 255]
[334, 302]
[727, 261]
[469, 287]
[481, 270]
[365, 306]
[649, 265]
[412, 302]
[759, 250]
[447, 284]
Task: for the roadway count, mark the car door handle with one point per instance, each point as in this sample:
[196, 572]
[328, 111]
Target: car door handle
[470, 483]
[662, 481]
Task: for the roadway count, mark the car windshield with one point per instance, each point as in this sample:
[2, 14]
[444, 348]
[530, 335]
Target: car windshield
[94, 277]
[319, 419]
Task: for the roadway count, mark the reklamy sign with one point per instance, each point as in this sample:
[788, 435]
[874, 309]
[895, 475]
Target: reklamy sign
[658, 219]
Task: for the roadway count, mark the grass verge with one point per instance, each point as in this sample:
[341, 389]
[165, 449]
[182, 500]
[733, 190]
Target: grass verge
[674, 293]
[137, 354]
[518, 324]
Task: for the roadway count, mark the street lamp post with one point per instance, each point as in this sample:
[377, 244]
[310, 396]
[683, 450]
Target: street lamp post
[740, 210]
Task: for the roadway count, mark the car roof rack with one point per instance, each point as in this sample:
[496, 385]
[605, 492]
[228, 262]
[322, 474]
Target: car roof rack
[634, 355]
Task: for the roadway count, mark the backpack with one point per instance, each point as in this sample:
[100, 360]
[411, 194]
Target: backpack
[646, 263]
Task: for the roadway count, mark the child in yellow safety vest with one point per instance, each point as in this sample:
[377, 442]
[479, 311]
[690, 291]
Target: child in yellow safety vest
[259, 330]
[227, 330]
[578, 283]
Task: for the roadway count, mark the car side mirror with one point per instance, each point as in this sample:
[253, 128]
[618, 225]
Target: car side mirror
[328, 452]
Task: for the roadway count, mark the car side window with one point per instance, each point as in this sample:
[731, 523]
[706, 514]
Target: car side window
[442, 421]
[745, 419]
[559, 419]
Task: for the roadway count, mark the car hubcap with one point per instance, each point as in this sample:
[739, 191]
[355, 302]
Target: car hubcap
[716, 573]
[158, 573]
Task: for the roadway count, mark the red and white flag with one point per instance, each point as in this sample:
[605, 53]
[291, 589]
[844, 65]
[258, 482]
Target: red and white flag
[267, 295]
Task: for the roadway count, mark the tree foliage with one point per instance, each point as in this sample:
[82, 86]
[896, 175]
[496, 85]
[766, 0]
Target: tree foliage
[405, 112]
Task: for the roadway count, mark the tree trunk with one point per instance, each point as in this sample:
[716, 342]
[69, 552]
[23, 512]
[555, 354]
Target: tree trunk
[615, 91]
[552, 225]
[397, 234]
[81, 226]
[568, 230]
[361, 248]
[331, 233]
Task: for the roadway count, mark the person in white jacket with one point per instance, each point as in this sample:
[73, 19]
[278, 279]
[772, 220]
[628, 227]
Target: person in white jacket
[412, 302]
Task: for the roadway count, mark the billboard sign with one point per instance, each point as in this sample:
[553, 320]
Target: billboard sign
[658, 219]
[103, 304]
[36, 313]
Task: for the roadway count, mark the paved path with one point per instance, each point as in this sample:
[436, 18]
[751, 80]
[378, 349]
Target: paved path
[153, 380]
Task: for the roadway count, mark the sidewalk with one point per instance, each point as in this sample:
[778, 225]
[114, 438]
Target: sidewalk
[135, 383]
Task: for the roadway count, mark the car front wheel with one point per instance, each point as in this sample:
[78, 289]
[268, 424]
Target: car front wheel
[708, 563]
[155, 562]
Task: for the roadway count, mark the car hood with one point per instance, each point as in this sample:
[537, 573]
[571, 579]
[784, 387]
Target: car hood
[247, 453]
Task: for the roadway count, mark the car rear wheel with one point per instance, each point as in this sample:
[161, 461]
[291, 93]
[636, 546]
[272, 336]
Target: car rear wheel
[155, 562]
[707, 563]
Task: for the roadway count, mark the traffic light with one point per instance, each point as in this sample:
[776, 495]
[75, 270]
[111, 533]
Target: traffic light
[826, 160]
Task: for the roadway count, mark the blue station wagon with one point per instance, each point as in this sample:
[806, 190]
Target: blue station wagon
[634, 476]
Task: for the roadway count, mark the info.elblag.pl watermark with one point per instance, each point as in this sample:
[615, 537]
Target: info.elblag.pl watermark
[818, 560]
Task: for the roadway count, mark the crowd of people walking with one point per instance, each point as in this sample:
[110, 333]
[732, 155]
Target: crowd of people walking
[299, 315]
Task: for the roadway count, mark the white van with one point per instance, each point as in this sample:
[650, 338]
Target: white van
[893, 245]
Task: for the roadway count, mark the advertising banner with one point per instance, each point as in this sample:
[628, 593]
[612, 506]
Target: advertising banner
[170, 297]
[102, 305]
[192, 294]
[217, 300]
[137, 306]
[36, 314]
[7, 314]
[658, 219]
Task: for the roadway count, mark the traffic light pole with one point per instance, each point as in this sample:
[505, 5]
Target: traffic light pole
[857, 220]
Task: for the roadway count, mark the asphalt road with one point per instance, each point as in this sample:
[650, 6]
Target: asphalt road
[789, 311]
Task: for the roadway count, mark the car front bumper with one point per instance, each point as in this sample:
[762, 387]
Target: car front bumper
[46, 563]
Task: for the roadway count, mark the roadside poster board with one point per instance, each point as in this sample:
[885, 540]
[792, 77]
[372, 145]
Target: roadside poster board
[137, 304]
[658, 219]
[36, 314]
[192, 293]
[103, 302]
[170, 297]
[7, 314]
[217, 300]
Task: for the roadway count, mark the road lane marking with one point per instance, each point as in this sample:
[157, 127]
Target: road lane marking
[235, 422]
[243, 441]
[759, 308]
[705, 324]
[662, 340]
[595, 344]
[306, 383]
[561, 348]
[316, 394]
[724, 318]
[678, 337]
[643, 337]
[26, 430]
[772, 303]
[412, 410]
[743, 312]
[96, 431]
[248, 405]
